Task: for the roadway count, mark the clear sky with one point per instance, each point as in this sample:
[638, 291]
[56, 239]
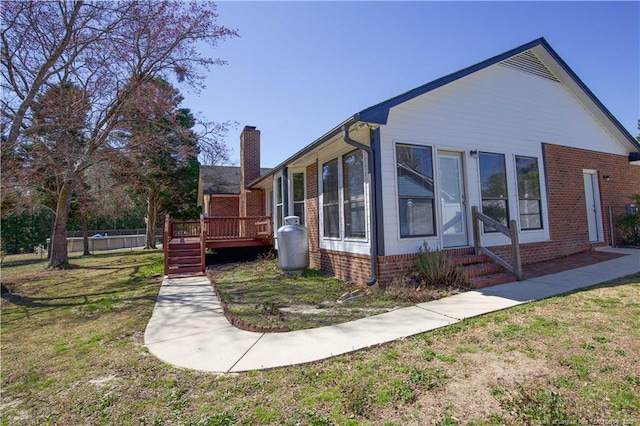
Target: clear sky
[298, 69]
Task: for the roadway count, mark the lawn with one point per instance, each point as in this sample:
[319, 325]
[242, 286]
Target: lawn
[258, 293]
[73, 353]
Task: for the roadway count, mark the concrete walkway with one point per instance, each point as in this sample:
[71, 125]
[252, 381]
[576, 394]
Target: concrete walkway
[188, 329]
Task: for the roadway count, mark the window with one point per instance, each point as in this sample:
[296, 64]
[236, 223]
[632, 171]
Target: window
[330, 200]
[298, 196]
[279, 212]
[415, 190]
[529, 200]
[493, 179]
[353, 184]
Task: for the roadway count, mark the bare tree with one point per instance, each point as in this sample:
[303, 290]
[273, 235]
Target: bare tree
[107, 50]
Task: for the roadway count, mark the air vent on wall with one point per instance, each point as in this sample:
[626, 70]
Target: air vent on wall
[529, 63]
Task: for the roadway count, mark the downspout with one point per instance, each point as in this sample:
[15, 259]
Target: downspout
[372, 208]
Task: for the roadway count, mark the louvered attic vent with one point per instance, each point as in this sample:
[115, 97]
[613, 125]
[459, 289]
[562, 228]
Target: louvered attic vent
[529, 63]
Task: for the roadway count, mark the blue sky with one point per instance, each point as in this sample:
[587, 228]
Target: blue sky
[300, 68]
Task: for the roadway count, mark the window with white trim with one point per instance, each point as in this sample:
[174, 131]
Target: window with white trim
[343, 198]
[353, 195]
[493, 182]
[330, 199]
[298, 196]
[529, 199]
[414, 165]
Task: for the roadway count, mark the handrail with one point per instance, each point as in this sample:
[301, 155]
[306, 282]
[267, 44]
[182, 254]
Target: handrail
[203, 242]
[511, 232]
[234, 228]
[165, 242]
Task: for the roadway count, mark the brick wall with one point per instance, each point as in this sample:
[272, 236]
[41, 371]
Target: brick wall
[254, 202]
[312, 218]
[249, 155]
[251, 202]
[567, 203]
[345, 266]
[223, 206]
[390, 267]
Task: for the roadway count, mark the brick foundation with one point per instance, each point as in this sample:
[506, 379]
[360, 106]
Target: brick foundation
[345, 266]
[567, 220]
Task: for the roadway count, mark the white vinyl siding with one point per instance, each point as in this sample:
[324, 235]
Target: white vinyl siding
[500, 110]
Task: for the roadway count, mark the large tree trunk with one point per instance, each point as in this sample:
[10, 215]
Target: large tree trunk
[151, 217]
[85, 235]
[59, 257]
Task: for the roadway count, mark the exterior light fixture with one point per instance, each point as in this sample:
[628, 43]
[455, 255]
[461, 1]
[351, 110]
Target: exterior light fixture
[473, 153]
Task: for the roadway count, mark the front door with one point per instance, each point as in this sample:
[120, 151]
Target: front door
[592, 196]
[452, 199]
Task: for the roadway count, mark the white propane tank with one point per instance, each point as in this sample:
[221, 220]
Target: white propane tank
[293, 246]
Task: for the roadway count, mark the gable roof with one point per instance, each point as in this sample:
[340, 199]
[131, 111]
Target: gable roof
[379, 113]
[559, 70]
[222, 180]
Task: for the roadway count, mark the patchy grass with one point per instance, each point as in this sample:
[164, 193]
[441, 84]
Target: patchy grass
[258, 293]
[72, 353]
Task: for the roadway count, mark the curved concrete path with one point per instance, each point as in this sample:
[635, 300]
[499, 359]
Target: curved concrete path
[188, 329]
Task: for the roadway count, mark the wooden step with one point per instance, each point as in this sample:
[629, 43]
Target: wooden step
[173, 269]
[182, 260]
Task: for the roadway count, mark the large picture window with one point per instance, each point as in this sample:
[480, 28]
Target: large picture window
[298, 196]
[330, 200]
[493, 179]
[415, 190]
[353, 183]
[529, 199]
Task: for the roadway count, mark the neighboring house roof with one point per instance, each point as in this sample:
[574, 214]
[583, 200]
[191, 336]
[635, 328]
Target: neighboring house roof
[379, 113]
[412, 183]
[222, 180]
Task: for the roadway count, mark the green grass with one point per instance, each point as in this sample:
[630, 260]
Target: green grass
[73, 353]
[258, 293]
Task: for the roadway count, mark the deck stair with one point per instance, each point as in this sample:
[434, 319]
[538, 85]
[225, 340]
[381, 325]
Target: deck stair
[184, 258]
[481, 270]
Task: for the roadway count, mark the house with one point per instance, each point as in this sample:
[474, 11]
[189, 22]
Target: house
[222, 190]
[518, 136]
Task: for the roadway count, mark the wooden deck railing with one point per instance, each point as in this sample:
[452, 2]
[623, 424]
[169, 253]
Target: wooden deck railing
[511, 232]
[235, 228]
[218, 228]
[183, 229]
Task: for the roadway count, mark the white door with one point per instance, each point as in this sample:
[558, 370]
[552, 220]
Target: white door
[452, 199]
[592, 196]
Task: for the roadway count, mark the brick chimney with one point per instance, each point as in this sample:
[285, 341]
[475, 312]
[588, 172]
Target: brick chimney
[249, 155]
[251, 201]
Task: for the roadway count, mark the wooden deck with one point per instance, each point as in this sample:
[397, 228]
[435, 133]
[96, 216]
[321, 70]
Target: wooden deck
[185, 242]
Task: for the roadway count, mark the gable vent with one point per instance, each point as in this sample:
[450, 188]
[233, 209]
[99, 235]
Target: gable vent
[529, 63]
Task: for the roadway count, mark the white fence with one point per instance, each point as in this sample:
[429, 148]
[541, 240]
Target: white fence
[105, 243]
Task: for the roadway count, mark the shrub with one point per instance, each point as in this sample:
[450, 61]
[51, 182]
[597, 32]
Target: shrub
[629, 224]
[435, 269]
[433, 277]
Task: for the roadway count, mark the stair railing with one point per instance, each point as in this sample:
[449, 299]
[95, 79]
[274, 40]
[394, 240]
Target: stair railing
[166, 235]
[203, 242]
[511, 231]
